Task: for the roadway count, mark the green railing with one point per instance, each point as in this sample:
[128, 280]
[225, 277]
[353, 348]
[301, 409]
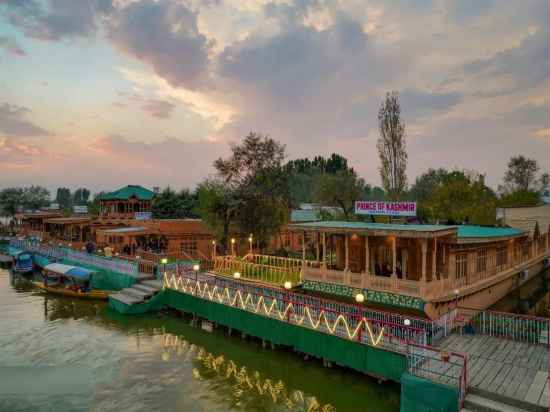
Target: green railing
[243, 269]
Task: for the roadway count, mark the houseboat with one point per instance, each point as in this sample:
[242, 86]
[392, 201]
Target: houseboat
[427, 269]
[432, 268]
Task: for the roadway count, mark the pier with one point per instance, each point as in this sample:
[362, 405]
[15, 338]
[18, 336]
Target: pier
[471, 359]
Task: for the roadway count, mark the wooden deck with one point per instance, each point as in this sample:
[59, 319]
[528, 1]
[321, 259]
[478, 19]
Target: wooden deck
[513, 369]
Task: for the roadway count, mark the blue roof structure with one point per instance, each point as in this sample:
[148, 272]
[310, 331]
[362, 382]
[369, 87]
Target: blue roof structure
[471, 231]
[68, 270]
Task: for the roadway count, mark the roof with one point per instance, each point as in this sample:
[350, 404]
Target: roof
[309, 215]
[68, 270]
[467, 232]
[66, 220]
[471, 231]
[129, 229]
[374, 228]
[127, 192]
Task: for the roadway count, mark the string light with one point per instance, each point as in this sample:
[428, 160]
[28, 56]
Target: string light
[203, 290]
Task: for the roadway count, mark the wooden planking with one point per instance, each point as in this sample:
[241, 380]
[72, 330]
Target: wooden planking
[526, 384]
[501, 366]
[545, 397]
[537, 387]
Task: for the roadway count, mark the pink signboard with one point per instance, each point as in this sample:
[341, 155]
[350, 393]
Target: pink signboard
[375, 207]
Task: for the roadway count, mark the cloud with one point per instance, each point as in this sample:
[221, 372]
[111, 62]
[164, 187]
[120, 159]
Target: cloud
[521, 67]
[418, 103]
[54, 20]
[165, 35]
[543, 134]
[11, 46]
[13, 122]
[161, 109]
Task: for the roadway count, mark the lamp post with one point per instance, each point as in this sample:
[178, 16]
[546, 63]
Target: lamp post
[250, 242]
[196, 268]
[213, 250]
[164, 261]
[232, 246]
[456, 292]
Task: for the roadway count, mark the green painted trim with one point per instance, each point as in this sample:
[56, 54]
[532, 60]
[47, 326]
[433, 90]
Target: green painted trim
[330, 288]
[367, 359]
[393, 299]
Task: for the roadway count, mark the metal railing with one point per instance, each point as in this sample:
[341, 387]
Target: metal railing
[448, 368]
[521, 328]
[229, 265]
[350, 322]
[112, 264]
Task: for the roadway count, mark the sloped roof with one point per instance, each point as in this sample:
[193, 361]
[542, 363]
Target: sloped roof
[471, 231]
[309, 215]
[125, 193]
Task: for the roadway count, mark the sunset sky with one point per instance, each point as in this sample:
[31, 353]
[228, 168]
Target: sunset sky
[105, 93]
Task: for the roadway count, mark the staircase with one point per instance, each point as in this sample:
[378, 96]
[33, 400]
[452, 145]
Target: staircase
[478, 400]
[139, 292]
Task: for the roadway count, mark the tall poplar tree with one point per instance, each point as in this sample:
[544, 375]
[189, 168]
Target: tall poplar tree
[392, 148]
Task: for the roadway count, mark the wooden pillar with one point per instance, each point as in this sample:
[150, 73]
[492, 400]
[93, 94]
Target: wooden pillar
[304, 245]
[324, 250]
[424, 246]
[547, 242]
[394, 256]
[405, 262]
[346, 244]
[317, 250]
[434, 259]
[367, 257]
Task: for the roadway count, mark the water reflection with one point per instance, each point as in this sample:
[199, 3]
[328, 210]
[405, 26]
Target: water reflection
[159, 362]
[243, 383]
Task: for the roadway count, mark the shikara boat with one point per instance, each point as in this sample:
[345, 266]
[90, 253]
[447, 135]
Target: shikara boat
[72, 281]
[22, 263]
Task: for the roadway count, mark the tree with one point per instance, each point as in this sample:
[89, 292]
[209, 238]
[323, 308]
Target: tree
[93, 207]
[391, 147]
[14, 198]
[35, 197]
[256, 152]
[10, 200]
[341, 189]
[519, 198]
[254, 176]
[64, 197]
[171, 205]
[458, 196]
[81, 196]
[218, 206]
[302, 175]
[521, 174]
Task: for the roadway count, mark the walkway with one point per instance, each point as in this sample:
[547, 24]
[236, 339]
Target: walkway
[508, 368]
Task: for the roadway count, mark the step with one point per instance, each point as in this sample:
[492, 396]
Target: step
[126, 299]
[153, 283]
[136, 292]
[517, 403]
[480, 404]
[145, 276]
[145, 288]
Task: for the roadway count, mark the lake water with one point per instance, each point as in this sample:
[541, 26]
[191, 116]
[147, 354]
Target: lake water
[59, 354]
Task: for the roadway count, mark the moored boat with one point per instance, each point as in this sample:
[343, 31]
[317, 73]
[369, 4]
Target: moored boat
[23, 264]
[72, 281]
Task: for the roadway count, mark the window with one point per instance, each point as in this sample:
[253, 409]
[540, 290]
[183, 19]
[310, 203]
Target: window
[189, 247]
[481, 263]
[502, 256]
[461, 265]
